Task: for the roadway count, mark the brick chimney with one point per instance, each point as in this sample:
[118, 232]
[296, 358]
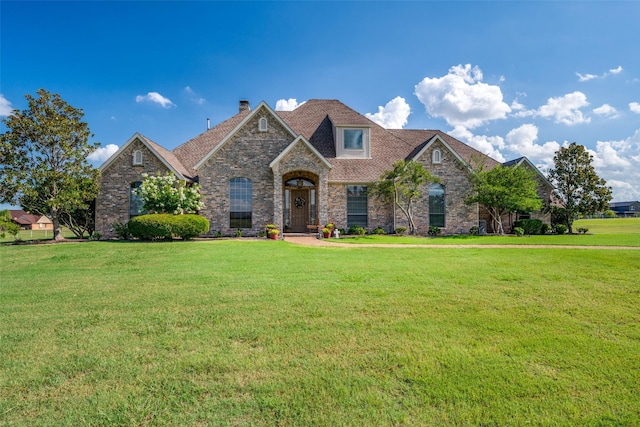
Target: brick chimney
[244, 105]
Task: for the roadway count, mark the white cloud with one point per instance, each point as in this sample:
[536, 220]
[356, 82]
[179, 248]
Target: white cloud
[618, 163]
[5, 106]
[606, 110]
[489, 145]
[155, 98]
[587, 77]
[103, 153]
[517, 106]
[565, 109]
[461, 98]
[194, 97]
[287, 104]
[617, 70]
[522, 141]
[393, 115]
[634, 107]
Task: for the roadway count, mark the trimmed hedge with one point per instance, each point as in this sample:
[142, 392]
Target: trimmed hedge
[165, 226]
[530, 226]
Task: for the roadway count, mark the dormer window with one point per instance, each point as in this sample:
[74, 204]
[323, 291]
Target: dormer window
[137, 158]
[353, 142]
[436, 156]
[262, 124]
[353, 139]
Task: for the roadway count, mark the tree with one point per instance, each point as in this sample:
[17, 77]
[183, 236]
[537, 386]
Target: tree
[166, 194]
[579, 189]
[8, 226]
[43, 158]
[504, 189]
[403, 185]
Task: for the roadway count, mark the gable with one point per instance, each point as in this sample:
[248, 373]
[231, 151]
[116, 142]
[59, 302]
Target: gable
[437, 139]
[262, 111]
[300, 145]
[167, 158]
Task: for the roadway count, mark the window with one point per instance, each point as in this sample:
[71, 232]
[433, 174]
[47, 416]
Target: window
[353, 139]
[437, 156]
[240, 205]
[357, 205]
[137, 157]
[262, 124]
[135, 201]
[436, 205]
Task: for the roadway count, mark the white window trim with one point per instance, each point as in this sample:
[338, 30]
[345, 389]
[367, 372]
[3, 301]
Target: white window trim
[263, 124]
[436, 157]
[363, 153]
[137, 158]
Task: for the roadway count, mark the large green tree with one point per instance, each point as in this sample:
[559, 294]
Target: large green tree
[43, 159]
[402, 185]
[504, 189]
[578, 188]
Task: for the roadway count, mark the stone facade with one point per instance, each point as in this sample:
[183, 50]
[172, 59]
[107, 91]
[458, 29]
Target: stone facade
[274, 148]
[246, 155]
[115, 185]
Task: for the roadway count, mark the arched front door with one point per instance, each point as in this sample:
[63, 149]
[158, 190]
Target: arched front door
[299, 202]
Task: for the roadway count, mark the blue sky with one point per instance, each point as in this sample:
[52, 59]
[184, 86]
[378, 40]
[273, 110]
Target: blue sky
[509, 78]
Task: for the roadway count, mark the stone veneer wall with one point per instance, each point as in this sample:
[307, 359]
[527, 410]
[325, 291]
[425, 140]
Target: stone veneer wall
[112, 203]
[247, 155]
[379, 214]
[301, 158]
[459, 217]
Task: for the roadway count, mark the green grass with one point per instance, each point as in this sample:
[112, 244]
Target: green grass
[602, 232]
[267, 333]
[610, 225]
[29, 235]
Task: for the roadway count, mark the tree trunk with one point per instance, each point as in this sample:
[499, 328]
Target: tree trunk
[57, 233]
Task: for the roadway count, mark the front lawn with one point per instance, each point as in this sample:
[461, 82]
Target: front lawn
[602, 232]
[248, 332]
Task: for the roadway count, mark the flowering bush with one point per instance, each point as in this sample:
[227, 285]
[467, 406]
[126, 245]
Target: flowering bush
[167, 194]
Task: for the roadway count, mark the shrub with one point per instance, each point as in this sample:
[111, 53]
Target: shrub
[433, 230]
[560, 229]
[238, 233]
[165, 226]
[530, 226]
[546, 228]
[95, 236]
[189, 226]
[518, 231]
[121, 230]
[357, 230]
[582, 230]
[151, 227]
[401, 230]
[474, 231]
[610, 214]
[378, 230]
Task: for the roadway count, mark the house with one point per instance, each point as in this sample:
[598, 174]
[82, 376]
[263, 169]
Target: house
[295, 169]
[626, 208]
[28, 221]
